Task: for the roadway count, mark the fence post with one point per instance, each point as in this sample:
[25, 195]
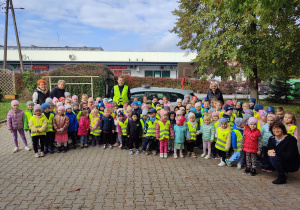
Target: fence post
[92, 87]
[14, 81]
[50, 83]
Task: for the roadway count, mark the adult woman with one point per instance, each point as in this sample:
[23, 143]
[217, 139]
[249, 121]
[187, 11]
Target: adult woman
[283, 152]
[59, 91]
[40, 93]
[214, 92]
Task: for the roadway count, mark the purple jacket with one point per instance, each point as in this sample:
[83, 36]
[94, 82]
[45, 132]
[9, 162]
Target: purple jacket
[17, 122]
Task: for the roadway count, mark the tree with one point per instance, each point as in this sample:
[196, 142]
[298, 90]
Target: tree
[263, 36]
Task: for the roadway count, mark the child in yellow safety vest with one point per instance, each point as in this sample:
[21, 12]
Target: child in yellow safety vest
[95, 128]
[50, 135]
[223, 142]
[28, 114]
[164, 132]
[215, 122]
[289, 120]
[191, 128]
[122, 126]
[38, 127]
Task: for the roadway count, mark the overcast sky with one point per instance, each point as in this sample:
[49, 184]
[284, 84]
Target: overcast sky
[114, 25]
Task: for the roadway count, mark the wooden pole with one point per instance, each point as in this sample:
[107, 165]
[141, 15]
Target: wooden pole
[14, 82]
[5, 35]
[92, 87]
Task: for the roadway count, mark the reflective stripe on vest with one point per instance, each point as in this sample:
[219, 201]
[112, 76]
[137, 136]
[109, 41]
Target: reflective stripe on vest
[222, 139]
[239, 138]
[123, 127]
[95, 132]
[164, 130]
[151, 128]
[117, 95]
[291, 129]
[192, 130]
[38, 125]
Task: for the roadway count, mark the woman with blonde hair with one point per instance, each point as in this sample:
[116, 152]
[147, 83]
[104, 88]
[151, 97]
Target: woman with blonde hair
[214, 92]
[59, 91]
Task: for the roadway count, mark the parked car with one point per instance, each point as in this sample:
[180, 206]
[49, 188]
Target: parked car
[263, 89]
[172, 93]
[242, 88]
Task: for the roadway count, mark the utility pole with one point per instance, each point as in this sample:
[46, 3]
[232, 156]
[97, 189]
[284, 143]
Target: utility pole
[5, 34]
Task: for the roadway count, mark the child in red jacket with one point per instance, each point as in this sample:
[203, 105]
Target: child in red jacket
[252, 145]
[83, 128]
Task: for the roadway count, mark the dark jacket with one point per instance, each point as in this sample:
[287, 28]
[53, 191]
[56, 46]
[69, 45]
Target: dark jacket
[217, 94]
[39, 97]
[57, 93]
[134, 129]
[107, 124]
[287, 150]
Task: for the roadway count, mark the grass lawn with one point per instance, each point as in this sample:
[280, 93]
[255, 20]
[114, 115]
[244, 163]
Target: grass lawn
[5, 107]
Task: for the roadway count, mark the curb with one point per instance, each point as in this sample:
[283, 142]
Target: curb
[3, 121]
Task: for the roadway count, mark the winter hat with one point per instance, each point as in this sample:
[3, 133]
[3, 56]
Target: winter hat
[197, 104]
[249, 111]
[105, 100]
[152, 110]
[178, 112]
[48, 100]
[144, 107]
[61, 98]
[229, 103]
[246, 117]
[211, 110]
[258, 107]
[270, 109]
[74, 104]
[204, 99]
[135, 103]
[37, 107]
[166, 108]
[193, 110]
[238, 121]
[83, 103]
[161, 101]
[223, 120]
[74, 97]
[61, 108]
[272, 115]
[68, 106]
[45, 105]
[215, 114]
[240, 103]
[101, 104]
[191, 115]
[187, 96]
[59, 104]
[145, 112]
[205, 110]
[120, 113]
[29, 103]
[14, 102]
[194, 97]
[184, 101]
[253, 100]
[108, 106]
[135, 113]
[228, 107]
[139, 103]
[181, 120]
[54, 99]
[179, 100]
[67, 94]
[252, 120]
[262, 113]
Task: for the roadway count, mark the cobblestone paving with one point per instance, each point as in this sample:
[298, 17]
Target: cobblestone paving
[112, 179]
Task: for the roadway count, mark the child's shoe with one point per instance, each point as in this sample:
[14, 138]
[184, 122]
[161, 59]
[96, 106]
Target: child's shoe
[153, 153]
[207, 157]
[16, 149]
[37, 155]
[194, 155]
[228, 162]
[98, 145]
[93, 143]
[175, 156]
[181, 155]
[203, 155]
[110, 146]
[116, 144]
[161, 155]
[188, 154]
[147, 153]
[165, 155]
[104, 146]
[253, 172]
[27, 148]
[45, 150]
[137, 151]
[51, 151]
[222, 163]
[42, 154]
[120, 146]
[64, 149]
[239, 166]
[247, 170]
[86, 146]
[81, 145]
[59, 150]
[130, 152]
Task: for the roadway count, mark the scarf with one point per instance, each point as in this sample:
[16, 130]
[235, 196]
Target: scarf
[152, 119]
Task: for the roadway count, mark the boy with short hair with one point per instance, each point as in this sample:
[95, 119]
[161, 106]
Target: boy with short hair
[150, 126]
[280, 113]
[50, 134]
[122, 126]
[107, 126]
[72, 126]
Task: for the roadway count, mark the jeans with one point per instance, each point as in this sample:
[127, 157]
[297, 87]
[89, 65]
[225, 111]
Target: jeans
[83, 139]
[276, 163]
[237, 156]
[153, 144]
[136, 142]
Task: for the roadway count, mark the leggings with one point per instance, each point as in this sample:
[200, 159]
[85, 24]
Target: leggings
[35, 140]
[207, 145]
[163, 145]
[72, 135]
[107, 138]
[251, 159]
[15, 137]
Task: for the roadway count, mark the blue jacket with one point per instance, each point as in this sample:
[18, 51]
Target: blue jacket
[180, 134]
[198, 115]
[234, 137]
[138, 110]
[107, 123]
[265, 134]
[73, 122]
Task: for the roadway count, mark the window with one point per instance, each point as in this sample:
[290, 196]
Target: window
[175, 96]
[148, 73]
[165, 73]
[139, 95]
[159, 95]
[157, 73]
[152, 73]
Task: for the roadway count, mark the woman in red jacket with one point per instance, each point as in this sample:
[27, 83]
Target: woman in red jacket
[252, 145]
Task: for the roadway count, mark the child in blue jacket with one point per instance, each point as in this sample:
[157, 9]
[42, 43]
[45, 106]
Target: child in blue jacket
[73, 125]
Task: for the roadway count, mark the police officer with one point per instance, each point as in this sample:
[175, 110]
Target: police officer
[120, 92]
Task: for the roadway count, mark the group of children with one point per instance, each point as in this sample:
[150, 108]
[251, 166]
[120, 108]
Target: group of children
[238, 128]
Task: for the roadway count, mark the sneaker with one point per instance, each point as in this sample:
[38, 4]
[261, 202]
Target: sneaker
[253, 172]
[42, 154]
[181, 155]
[51, 151]
[27, 148]
[239, 166]
[45, 151]
[146, 153]
[247, 170]
[188, 154]
[59, 150]
[194, 155]
[222, 163]
[81, 145]
[228, 162]
[137, 152]
[130, 152]
[116, 144]
[86, 146]
[64, 150]
[153, 152]
[104, 146]
[165, 155]
[93, 144]
[16, 149]
[110, 146]
[98, 145]
[207, 157]
[203, 155]
[37, 155]
[161, 155]
[175, 156]
[120, 146]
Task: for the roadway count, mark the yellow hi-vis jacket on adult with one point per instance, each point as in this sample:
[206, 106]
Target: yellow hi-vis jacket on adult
[239, 138]
[123, 126]
[151, 128]
[38, 123]
[96, 131]
[50, 123]
[192, 131]
[223, 140]
[292, 129]
[164, 130]
[118, 98]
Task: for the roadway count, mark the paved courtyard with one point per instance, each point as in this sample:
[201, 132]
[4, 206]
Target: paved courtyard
[94, 178]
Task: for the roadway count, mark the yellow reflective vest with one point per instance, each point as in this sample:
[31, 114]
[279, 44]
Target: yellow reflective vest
[95, 132]
[118, 98]
[192, 130]
[291, 129]
[123, 126]
[222, 139]
[239, 138]
[164, 130]
[50, 123]
[38, 125]
[151, 128]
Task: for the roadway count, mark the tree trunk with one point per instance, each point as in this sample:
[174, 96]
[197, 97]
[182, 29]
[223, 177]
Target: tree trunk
[254, 85]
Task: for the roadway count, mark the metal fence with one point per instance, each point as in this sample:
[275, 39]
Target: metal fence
[7, 82]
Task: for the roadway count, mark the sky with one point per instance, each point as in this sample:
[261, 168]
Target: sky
[114, 25]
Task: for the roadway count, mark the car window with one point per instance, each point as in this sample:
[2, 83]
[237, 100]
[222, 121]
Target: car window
[137, 94]
[174, 96]
[159, 95]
